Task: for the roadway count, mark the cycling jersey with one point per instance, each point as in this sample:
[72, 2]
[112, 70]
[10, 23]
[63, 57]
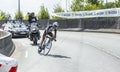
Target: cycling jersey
[50, 29]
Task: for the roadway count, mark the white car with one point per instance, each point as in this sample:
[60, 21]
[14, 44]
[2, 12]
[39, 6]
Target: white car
[8, 64]
[16, 29]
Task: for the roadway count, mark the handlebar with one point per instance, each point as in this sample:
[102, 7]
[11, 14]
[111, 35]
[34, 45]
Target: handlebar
[48, 36]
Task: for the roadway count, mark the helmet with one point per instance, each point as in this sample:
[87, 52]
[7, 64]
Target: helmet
[55, 24]
[32, 13]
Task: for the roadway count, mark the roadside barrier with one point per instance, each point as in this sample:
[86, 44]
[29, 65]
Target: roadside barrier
[6, 43]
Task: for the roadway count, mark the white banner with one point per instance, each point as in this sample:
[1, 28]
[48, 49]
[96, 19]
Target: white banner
[113, 12]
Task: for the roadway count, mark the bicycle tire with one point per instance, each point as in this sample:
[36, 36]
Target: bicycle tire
[46, 47]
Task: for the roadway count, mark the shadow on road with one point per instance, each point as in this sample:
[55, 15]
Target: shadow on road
[34, 44]
[19, 37]
[58, 56]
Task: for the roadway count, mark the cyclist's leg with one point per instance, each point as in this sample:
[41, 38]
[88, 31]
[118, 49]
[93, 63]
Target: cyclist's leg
[43, 38]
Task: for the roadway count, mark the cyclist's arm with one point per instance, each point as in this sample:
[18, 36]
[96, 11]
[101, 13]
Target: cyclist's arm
[48, 28]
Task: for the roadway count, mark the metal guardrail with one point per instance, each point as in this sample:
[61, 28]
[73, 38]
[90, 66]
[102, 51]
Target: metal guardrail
[6, 43]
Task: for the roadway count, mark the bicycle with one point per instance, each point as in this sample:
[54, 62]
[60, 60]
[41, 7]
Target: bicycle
[46, 46]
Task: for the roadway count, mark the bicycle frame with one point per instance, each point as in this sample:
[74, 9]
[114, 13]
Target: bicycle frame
[47, 44]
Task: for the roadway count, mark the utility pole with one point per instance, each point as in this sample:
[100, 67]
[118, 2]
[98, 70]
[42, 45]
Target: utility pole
[19, 7]
[106, 1]
[69, 5]
[66, 5]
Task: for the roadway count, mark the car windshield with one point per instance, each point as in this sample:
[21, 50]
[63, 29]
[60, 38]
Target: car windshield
[8, 26]
[18, 26]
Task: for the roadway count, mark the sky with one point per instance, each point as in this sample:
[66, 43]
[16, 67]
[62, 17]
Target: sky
[11, 6]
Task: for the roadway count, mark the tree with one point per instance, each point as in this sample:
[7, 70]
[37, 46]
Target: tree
[117, 3]
[110, 5]
[90, 6]
[25, 17]
[93, 2]
[77, 5]
[47, 14]
[101, 4]
[18, 15]
[3, 15]
[58, 8]
[43, 13]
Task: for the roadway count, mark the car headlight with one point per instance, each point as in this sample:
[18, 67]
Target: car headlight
[14, 30]
[33, 29]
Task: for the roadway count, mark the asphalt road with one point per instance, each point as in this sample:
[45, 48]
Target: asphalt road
[73, 52]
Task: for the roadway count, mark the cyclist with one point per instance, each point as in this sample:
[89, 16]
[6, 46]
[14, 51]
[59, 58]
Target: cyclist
[49, 30]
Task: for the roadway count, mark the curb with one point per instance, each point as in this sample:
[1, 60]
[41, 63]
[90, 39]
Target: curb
[13, 49]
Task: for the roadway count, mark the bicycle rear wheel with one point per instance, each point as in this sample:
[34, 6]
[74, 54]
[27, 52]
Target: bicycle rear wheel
[46, 47]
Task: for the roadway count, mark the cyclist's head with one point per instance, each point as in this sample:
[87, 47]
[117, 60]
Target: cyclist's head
[33, 14]
[55, 24]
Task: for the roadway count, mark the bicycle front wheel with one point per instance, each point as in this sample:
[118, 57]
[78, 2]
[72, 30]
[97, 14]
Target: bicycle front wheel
[46, 46]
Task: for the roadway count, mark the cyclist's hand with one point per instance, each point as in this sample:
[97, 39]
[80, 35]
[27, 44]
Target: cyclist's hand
[55, 39]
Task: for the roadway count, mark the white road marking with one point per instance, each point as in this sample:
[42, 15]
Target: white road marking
[26, 54]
